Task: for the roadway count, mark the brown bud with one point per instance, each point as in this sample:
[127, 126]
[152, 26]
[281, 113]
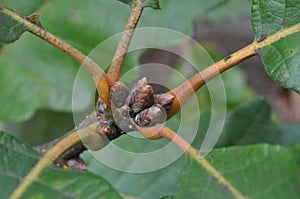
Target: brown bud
[109, 129]
[118, 94]
[140, 97]
[165, 100]
[151, 116]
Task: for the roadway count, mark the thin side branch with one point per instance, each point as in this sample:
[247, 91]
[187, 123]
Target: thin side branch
[185, 146]
[114, 72]
[98, 75]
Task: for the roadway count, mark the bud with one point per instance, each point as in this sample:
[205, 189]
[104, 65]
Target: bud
[165, 100]
[140, 97]
[118, 94]
[109, 129]
[151, 116]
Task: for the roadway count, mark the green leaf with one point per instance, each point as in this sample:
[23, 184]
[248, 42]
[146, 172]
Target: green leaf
[221, 14]
[148, 3]
[147, 185]
[16, 160]
[44, 126]
[281, 59]
[260, 171]
[10, 29]
[249, 124]
[24, 7]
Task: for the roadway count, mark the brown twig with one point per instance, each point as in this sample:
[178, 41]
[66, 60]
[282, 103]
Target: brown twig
[158, 131]
[114, 72]
[183, 92]
[98, 75]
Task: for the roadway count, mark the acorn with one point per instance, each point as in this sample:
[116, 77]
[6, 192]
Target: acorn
[164, 99]
[118, 94]
[151, 116]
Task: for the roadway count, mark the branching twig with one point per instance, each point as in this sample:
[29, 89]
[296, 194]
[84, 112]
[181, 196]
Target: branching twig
[185, 146]
[96, 72]
[114, 72]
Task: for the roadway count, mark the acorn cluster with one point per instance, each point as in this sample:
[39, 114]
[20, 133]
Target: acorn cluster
[138, 106]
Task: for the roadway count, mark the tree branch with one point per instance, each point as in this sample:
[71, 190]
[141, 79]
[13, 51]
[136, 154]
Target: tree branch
[183, 92]
[114, 72]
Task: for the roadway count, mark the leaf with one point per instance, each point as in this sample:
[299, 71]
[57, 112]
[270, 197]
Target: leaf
[44, 126]
[221, 14]
[249, 124]
[281, 59]
[16, 160]
[146, 185]
[10, 29]
[260, 171]
[24, 7]
[148, 3]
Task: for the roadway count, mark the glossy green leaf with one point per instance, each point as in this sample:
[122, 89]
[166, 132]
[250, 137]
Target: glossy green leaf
[148, 3]
[16, 160]
[281, 59]
[259, 171]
